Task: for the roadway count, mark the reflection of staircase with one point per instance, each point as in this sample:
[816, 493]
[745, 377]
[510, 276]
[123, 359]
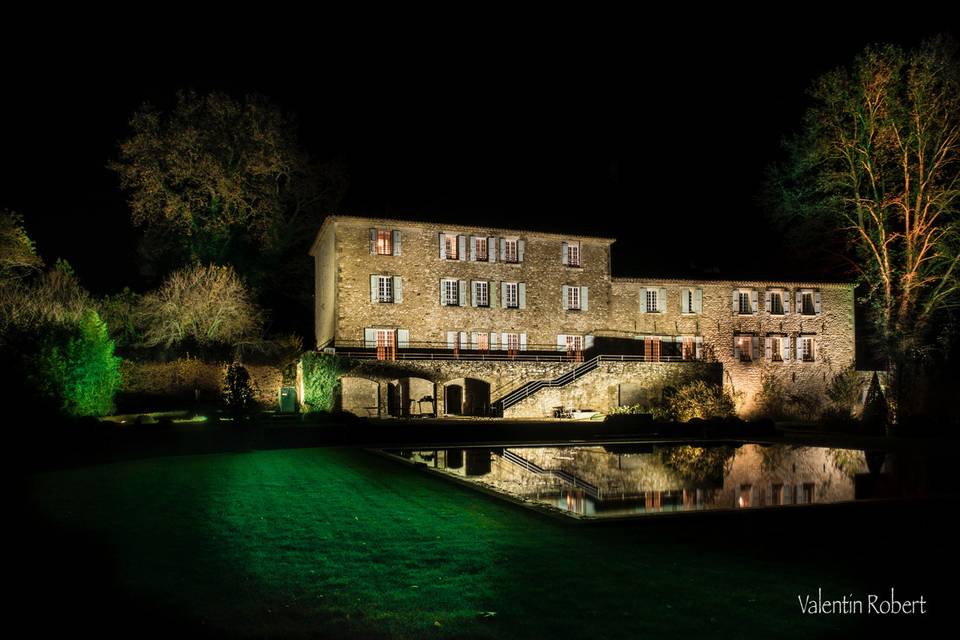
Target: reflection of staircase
[525, 391]
[589, 489]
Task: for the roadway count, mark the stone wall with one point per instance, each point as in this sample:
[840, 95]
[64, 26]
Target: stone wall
[189, 380]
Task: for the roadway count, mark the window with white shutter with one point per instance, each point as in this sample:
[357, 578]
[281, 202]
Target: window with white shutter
[651, 301]
[450, 292]
[573, 254]
[573, 298]
[511, 250]
[511, 295]
[775, 304]
[481, 293]
[385, 288]
[808, 308]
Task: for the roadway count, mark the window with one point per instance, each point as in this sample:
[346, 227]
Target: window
[385, 288]
[776, 348]
[482, 342]
[480, 249]
[688, 348]
[743, 305]
[808, 308]
[481, 293]
[805, 349]
[511, 297]
[776, 494]
[651, 301]
[384, 242]
[451, 292]
[511, 251]
[689, 300]
[450, 247]
[573, 298]
[512, 342]
[574, 348]
[744, 348]
[386, 346]
[573, 254]
[776, 303]
[651, 349]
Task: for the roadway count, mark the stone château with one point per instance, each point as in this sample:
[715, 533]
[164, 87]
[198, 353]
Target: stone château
[455, 319]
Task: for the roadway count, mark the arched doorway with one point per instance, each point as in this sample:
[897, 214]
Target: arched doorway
[467, 397]
[454, 399]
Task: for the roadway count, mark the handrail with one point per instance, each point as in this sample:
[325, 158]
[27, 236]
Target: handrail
[530, 388]
[588, 488]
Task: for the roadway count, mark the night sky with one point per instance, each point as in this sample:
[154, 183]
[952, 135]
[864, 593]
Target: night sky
[654, 133]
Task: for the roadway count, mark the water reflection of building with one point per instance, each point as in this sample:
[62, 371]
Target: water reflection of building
[596, 481]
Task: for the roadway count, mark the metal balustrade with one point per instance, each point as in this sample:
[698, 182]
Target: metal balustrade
[588, 488]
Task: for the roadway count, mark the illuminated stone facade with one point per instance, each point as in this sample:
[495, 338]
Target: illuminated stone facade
[455, 297]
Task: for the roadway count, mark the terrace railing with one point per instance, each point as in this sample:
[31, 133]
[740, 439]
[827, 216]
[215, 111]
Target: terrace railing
[568, 478]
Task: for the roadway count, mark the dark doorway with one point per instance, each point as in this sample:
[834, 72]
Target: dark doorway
[454, 402]
[393, 399]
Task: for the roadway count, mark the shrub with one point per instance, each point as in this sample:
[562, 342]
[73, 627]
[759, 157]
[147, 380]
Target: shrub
[321, 371]
[238, 393]
[844, 393]
[75, 365]
[700, 400]
[697, 464]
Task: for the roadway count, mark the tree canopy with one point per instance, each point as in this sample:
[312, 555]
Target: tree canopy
[18, 255]
[877, 166]
[220, 181]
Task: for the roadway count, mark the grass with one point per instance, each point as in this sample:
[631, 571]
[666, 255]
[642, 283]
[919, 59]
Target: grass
[342, 543]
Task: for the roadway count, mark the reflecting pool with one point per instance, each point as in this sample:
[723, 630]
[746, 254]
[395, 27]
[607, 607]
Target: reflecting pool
[624, 479]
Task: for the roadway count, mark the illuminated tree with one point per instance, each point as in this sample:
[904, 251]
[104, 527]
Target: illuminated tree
[219, 181]
[877, 165]
[18, 255]
[206, 305]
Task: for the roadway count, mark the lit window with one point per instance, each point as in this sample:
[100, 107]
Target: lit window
[385, 288]
[689, 348]
[511, 252]
[480, 248]
[808, 308]
[511, 295]
[386, 347]
[805, 347]
[483, 342]
[481, 294]
[573, 254]
[451, 247]
[745, 347]
[573, 298]
[776, 494]
[384, 242]
[513, 342]
[451, 292]
[652, 306]
[776, 303]
[745, 306]
[776, 349]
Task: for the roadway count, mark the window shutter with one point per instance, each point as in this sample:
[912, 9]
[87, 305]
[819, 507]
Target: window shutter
[798, 297]
[396, 243]
[473, 249]
[451, 339]
[523, 342]
[492, 293]
[753, 301]
[563, 254]
[461, 247]
[816, 348]
[587, 342]
[520, 245]
[522, 295]
[698, 343]
[698, 301]
[784, 348]
[473, 292]
[369, 338]
[684, 300]
[736, 347]
[374, 296]
[561, 342]
[473, 340]
[373, 241]
[462, 292]
[493, 340]
[443, 298]
[443, 246]
[736, 301]
[492, 249]
[403, 338]
[768, 348]
[397, 289]
[816, 302]
[503, 248]
[643, 300]
[661, 300]
[584, 303]
[503, 294]
[563, 297]
[463, 339]
[503, 342]
[754, 347]
[766, 301]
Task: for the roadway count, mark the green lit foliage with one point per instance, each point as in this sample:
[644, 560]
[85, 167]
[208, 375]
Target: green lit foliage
[698, 464]
[76, 366]
[224, 181]
[18, 255]
[849, 462]
[238, 393]
[205, 305]
[321, 372]
[699, 399]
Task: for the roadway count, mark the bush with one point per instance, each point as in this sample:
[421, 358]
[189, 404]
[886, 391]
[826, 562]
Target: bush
[75, 366]
[844, 393]
[238, 394]
[699, 400]
[321, 371]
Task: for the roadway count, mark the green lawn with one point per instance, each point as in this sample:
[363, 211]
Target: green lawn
[342, 543]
